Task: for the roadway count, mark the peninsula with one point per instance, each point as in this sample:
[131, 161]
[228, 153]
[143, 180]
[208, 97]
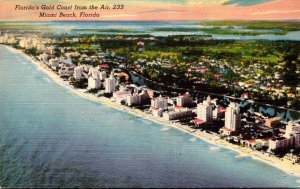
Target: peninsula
[94, 68]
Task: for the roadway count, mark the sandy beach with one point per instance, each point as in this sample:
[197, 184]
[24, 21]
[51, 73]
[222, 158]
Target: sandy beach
[285, 165]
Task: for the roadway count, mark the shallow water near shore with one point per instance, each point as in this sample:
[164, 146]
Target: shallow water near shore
[53, 138]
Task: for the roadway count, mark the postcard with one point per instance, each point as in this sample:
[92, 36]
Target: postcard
[149, 93]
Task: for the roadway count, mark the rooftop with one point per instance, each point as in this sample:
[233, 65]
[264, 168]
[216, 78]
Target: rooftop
[198, 121]
[217, 75]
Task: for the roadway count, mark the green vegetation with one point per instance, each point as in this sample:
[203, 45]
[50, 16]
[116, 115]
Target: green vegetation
[223, 31]
[176, 29]
[229, 31]
[81, 46]
[256, 24]
[23, 27]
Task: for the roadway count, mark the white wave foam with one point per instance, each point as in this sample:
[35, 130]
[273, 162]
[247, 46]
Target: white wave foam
[193, 139]
[165, 129]
[241, 155]
[214, 148]
[47, 79]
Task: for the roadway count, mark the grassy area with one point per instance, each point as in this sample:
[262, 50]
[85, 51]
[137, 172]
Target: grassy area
[235, 52]
[256, 24]
[155, 54]
[80, 46]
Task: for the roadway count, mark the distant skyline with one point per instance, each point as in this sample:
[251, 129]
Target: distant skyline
[165, 9]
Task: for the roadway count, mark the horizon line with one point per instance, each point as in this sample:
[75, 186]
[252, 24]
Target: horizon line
[216, 19]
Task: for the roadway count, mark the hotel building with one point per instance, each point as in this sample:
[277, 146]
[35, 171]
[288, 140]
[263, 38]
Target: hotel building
[94, 83]
[184, 100]
[78, 72]
[159, 102]
[232, 119]
[204, 110]
[110, 84]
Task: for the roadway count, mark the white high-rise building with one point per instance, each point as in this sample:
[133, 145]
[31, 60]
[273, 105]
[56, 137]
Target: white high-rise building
[93, 72]
[204, 110]
[177, 113]
[137, 98]
[94, 83]
[110, 84]
[233, 117]
[102, 75]
[184, 100]
[78, 72]
[159, 102]
[292, 128]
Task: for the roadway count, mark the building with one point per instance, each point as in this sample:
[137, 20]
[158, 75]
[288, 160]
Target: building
[159, 102]
[94, 72]
[78, 72]
[279, 143]
[292, 128]
[157, 112]
[184, 100]
[110, 84]
[232, 119]
[292, 132]
[291, 137]
[53, 62]
[177, 113]
[66, 70]
[219, 113]
[102, 75]
[273, 122]
[296, 140]
[94, 83]
[137, 98]
[44, 57]
[121, 96]
[204, 110]
[26, 43]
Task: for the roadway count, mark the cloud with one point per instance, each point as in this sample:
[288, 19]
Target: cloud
[162, 11]
[245, 2]
[276, 12]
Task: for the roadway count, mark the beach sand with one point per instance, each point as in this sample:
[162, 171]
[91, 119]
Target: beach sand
[285, 165]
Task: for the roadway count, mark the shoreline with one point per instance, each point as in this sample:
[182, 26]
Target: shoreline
[283, 165]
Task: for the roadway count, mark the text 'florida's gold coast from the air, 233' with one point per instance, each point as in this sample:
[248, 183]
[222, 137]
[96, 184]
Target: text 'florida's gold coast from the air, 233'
[68, 7]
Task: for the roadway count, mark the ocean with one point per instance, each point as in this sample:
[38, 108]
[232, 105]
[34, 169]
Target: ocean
[51, 137]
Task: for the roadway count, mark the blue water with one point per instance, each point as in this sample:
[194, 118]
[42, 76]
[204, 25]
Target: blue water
[51, 137]
[144, 27]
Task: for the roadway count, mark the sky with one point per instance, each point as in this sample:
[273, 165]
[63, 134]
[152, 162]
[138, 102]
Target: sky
[162, 9]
